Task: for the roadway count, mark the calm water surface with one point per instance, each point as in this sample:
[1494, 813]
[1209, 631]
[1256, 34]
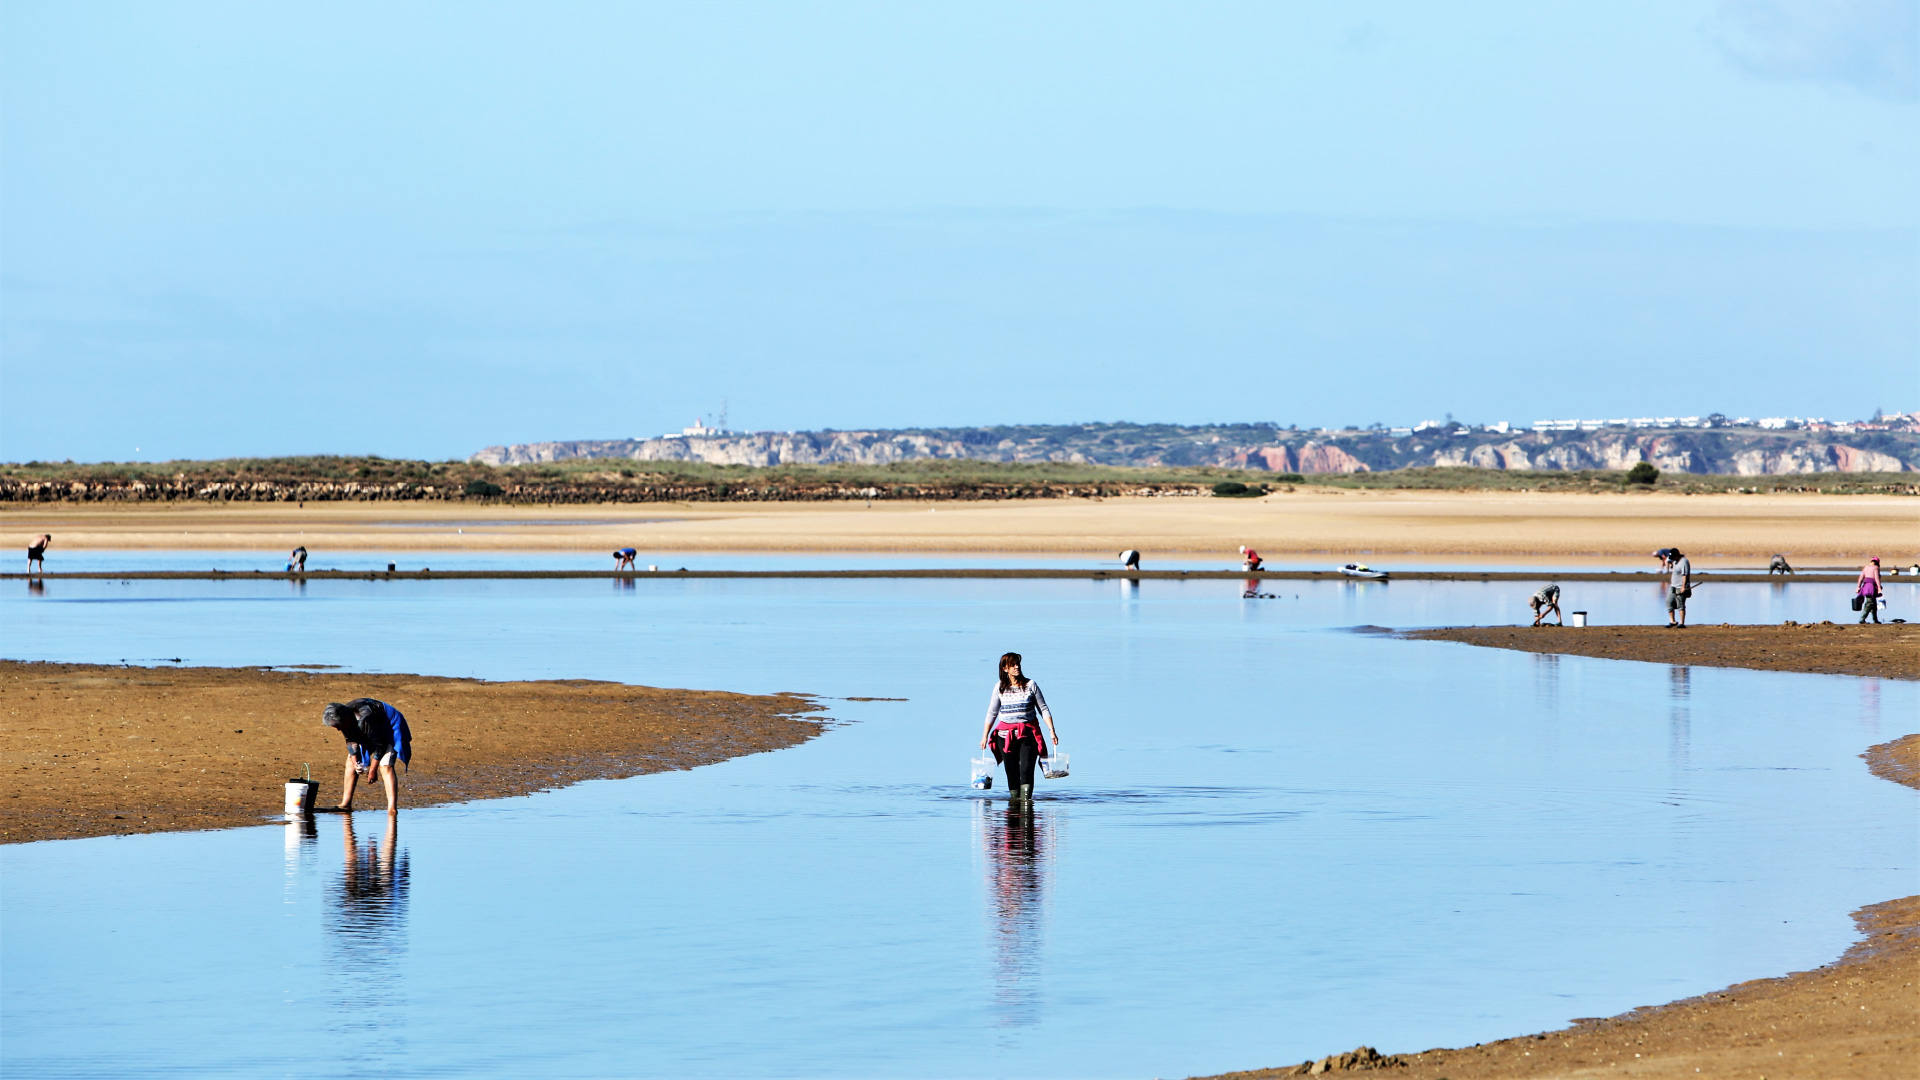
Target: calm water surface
[1283, 837]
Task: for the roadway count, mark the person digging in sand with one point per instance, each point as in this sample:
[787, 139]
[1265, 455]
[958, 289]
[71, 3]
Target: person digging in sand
[1545, 602]
[1013, 729]
[377, 739]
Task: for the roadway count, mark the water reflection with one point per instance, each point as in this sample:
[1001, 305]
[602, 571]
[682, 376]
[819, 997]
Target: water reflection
[1679, 717]
[1546, 681]
[1870, 707]
[1016, 838]
[367, 935]
[36, 587]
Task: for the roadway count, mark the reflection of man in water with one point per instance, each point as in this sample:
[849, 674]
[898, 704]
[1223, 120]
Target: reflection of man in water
[1016, 855]
[373, 876]
[367, 924]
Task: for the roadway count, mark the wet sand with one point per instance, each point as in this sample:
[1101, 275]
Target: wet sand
[1316, 522]
[99, 750]
[1890, 651]
[1856, 1017]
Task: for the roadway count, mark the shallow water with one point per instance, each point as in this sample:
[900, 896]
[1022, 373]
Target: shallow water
[243, 560]
[1282, 838]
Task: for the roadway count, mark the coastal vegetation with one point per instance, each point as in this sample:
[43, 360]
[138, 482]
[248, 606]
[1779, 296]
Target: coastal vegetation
[337, 478]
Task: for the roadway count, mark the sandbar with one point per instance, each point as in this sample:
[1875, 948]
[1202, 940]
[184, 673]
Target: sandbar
[1888, 651]
[1305, 521]
[100, 750]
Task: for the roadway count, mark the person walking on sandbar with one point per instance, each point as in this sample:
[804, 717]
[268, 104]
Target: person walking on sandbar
[1012, 730]
[37, 552]
[1867, 588]
[377, 740]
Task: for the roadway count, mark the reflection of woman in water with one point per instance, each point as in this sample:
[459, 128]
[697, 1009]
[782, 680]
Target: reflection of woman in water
[1016, 841]
[1012, 729]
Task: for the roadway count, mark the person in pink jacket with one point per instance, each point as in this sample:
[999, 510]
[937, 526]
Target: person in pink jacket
[1868, 590]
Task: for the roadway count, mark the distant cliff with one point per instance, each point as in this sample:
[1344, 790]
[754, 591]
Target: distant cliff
[1740, 451]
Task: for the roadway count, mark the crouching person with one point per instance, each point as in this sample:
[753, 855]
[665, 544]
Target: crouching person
[377, 740]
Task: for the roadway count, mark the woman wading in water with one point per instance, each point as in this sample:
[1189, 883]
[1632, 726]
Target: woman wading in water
[1013, 729]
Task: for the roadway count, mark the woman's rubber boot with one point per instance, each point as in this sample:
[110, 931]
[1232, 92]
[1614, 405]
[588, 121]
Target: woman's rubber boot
[1026, 793]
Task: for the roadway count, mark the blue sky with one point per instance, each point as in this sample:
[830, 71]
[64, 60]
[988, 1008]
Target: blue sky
[236, 228]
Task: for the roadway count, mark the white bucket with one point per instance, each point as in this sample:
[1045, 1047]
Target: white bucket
[1576, 618]
[981, 771]
[1054, 765]
[300, 795]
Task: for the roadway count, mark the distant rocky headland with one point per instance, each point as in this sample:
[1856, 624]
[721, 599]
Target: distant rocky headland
[1884, 445]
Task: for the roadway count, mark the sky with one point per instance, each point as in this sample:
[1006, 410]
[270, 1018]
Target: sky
[235, 229]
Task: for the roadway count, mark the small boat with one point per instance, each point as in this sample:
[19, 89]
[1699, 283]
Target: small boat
[1362, 570]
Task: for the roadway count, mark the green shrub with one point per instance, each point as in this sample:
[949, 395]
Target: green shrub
[1229, 488]
[483, 488]
[1289, 478]
[1643, 473]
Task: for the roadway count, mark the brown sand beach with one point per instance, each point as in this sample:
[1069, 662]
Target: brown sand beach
[1819, 528]
[100, 750]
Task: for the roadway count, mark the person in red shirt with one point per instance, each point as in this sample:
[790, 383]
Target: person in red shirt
[1250, 559]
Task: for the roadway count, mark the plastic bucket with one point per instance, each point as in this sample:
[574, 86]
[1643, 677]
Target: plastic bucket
[980, 772]
[1054, 765]
[300, 795]
[1576, 618]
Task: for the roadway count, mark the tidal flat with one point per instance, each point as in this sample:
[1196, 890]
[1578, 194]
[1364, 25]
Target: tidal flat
[1282, 837]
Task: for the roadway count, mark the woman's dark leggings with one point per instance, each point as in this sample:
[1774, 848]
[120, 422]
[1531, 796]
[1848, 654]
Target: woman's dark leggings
[1019, 762]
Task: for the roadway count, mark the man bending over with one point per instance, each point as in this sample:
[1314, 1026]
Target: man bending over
[377, 738]
[1545, 602]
